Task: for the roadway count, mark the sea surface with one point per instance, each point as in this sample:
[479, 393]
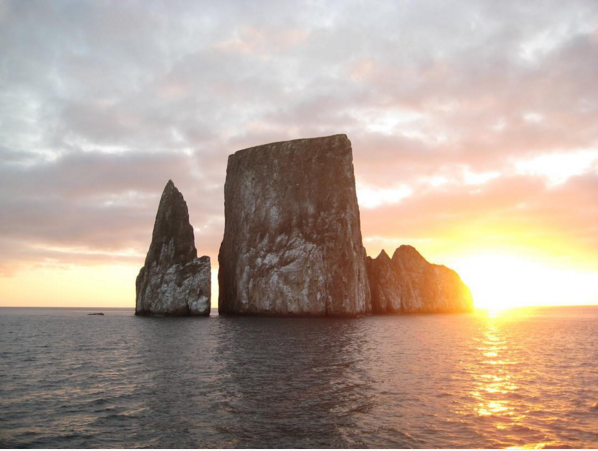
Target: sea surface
[520, 378]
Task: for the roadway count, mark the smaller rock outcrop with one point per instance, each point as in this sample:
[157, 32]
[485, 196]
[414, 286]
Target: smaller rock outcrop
[407, 283]
[173, 280]
[385, 288]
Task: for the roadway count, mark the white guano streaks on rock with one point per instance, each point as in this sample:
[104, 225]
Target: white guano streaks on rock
[173, 281]
[292, 242]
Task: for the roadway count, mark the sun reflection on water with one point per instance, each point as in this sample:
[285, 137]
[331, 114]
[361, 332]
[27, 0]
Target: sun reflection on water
[494, 378]
[512, 394]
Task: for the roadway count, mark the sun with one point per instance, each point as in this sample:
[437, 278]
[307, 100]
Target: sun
[502, 281]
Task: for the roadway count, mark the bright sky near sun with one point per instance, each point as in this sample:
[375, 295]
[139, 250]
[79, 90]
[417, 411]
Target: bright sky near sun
[474, 128]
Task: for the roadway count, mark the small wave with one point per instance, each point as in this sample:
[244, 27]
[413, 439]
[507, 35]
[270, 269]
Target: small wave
[72, 436]
[443, 395]
[114, 417]
[406, 440]
[521, 429]
[365, 408]
[107, 410]
[98, 402]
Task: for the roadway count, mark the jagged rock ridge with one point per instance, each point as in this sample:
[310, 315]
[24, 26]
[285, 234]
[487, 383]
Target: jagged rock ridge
[292, 241]
[409, 284]
[173, 280]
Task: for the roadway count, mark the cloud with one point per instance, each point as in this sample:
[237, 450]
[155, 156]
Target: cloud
[460, 115]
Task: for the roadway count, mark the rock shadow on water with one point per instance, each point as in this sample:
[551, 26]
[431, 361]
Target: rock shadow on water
[177, 383]
[293, 382]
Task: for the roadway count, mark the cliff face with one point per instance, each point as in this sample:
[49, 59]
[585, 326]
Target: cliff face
[385, 287]
[409, 284]
[292, 238]
[173, 280]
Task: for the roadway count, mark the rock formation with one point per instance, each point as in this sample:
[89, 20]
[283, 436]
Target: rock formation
[292, 239]
[173, 280]
[409, 284]
[384, 285]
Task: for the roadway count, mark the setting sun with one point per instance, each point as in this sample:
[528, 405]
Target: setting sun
[502, 281]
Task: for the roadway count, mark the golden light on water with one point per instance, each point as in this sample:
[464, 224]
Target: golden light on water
[503, 382]
[496, 381]
[492, 379]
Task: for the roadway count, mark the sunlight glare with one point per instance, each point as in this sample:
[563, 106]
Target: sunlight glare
[506, 281]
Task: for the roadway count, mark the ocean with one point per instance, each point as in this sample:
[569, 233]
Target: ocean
[521, 378]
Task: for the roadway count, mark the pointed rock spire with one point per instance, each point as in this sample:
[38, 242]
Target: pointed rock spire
[173, 280]
[383, 256]
[386, 292]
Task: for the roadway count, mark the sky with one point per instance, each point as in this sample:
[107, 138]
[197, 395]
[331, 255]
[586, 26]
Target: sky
[474, 127]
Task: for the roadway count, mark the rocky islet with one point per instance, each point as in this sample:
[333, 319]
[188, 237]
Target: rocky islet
[173, 281]
[292, 237]
[407, 283]
[292, 246]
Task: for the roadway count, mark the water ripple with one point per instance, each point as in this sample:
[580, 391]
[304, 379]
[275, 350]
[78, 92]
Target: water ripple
[527, 379]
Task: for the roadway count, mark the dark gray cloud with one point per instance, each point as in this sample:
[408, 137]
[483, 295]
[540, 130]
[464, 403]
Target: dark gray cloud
[101, 102]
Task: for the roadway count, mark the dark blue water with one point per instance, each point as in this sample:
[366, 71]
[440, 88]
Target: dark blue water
[526, 378]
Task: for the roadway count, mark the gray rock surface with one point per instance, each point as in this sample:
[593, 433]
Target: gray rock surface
[173, 280]
[385, 287]
[292, 240]
[409, 284]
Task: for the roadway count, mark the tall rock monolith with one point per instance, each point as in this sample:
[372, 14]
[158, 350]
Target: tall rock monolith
[292, 240]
